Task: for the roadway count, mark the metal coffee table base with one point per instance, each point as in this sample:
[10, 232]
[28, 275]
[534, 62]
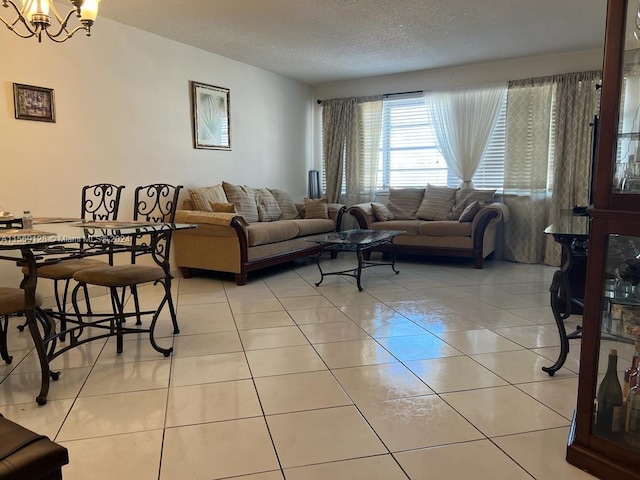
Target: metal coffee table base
[362, 263]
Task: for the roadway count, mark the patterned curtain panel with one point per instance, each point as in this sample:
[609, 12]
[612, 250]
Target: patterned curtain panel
[338, 129]
[547, 158]
[577, 102]
[526, 168]
[351, 142]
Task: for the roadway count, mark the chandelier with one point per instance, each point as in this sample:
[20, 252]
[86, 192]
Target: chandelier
[33, 18]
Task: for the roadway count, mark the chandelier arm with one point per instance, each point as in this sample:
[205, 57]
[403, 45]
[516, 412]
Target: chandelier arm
[20, 18]
[21, 35]
[63, 25]
[67, 36]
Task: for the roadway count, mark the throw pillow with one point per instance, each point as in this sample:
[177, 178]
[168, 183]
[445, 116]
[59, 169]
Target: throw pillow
[286, 204]
[382, 213]
[404, 202]
[243, 199]
[470, 212]
[318, 208]
[222, 207]
[201, 197]
[467, 196]
[437, 203]
[268, 209]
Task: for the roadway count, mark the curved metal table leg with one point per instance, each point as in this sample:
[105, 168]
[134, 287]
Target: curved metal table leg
[359, 270]
[318, 255]
[561, 288]
[32, 323]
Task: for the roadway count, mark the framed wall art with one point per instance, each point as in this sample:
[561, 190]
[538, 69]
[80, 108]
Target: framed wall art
[211, 117]
[34, 103]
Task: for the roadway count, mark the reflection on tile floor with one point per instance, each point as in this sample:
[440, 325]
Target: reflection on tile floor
[280, 379]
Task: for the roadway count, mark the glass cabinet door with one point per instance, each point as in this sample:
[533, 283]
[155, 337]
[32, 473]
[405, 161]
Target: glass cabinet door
[626, 175]
[617, 402]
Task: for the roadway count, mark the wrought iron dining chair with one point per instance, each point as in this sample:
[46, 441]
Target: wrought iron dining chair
[12, 302]
[154, 203]
[99, 202]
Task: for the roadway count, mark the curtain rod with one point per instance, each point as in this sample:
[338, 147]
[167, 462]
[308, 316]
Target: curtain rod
[387, 95]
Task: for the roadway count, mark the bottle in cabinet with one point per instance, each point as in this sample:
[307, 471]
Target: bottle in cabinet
[631, 373]
[610, 413]
[632, 421]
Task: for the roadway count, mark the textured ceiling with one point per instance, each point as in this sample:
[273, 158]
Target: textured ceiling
[319, 41]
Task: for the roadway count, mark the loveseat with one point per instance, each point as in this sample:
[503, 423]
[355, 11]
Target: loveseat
[438, 221]
[243, 229]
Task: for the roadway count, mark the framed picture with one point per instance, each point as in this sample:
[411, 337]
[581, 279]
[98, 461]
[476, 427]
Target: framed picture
[34, 103]
[211, 120]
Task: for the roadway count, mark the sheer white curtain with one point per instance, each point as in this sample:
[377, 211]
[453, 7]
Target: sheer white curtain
[463, 120]
[351, 130]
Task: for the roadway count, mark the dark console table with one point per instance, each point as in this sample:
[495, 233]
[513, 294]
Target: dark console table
[568, 285]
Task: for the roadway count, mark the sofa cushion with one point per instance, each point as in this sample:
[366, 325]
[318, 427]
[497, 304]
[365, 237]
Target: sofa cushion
[409, 226]
[318, 208]
[262, 233]
[286, 204]
[404, 202]
[470, 212]
[201, 197]
[268, 209]
[222, 207]
[314, 226]
[382, 213]
[437, 203]
[244, 200]
[466, 196]
[445, 228]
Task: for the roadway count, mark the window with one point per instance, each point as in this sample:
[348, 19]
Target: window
[409, 155]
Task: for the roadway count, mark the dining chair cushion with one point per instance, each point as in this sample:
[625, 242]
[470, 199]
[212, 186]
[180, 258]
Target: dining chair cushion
[66, 268]
[119, 275]
[12, 300]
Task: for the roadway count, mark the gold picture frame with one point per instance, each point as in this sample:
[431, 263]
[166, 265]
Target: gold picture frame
[34, 103]
[211, 116]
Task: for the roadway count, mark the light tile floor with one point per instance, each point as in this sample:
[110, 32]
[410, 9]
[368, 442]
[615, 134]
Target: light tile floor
[433, 373]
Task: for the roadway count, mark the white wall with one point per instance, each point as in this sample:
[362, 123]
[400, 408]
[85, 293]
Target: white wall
[451, 78]
[122, 100]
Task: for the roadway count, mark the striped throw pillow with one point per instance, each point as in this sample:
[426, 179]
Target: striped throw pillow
[437, 203]
[268, 209]
[466, 196]
[382, 213]
[470, 212]
[286, 204]
[222, 207]
[202, 197]
[244, 200]
[404, 202]
[318, 208]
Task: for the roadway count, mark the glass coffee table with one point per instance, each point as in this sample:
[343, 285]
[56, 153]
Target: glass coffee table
[358, 241]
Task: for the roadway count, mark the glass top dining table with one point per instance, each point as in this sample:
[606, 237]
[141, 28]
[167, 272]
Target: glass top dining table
[52, 240]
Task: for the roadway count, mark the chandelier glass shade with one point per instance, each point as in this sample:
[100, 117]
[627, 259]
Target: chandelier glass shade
[35, 17]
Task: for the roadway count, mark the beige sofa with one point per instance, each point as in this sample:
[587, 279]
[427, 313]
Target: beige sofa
[448, 236]
[226, 242]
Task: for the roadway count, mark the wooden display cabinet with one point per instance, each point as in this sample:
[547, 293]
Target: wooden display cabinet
[612, 304]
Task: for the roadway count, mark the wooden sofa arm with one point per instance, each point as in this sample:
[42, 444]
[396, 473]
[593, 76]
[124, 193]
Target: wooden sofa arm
[336, 212]
[363, 214]
[489, 215]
